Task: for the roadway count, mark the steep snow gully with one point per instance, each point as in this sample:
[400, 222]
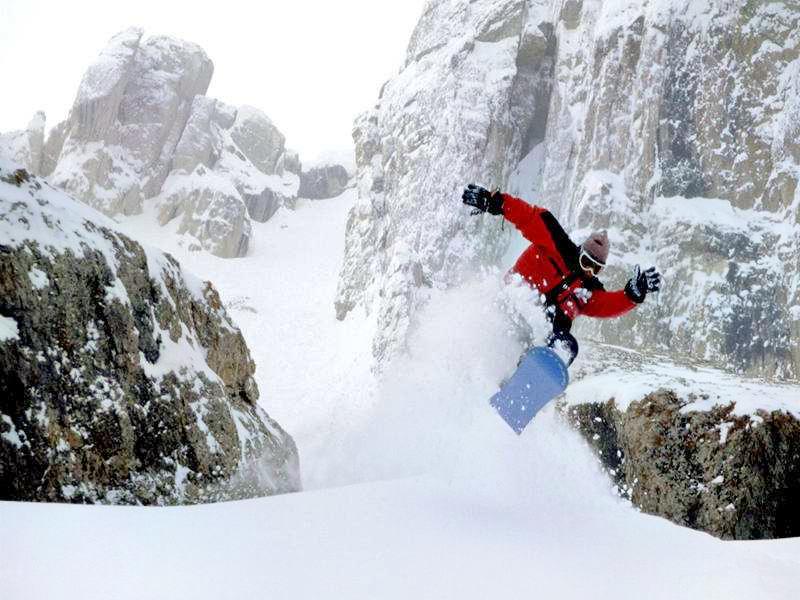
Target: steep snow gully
[417, 490]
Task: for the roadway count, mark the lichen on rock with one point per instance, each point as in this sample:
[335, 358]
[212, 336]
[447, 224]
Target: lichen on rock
[124, 381]
[702, 448]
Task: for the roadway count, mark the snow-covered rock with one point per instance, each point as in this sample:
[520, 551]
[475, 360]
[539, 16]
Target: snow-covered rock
[139, 131]
[463, 108]
[679, 123]
[322, 182]
[130, 110]
[258, 139]
[26, 146]
[122, 378]
[290, 162]
[673, 125]
[703, 448]
[214, 188]
[209, 208]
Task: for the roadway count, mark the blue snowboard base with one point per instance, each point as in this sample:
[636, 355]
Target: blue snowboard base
[540, 377]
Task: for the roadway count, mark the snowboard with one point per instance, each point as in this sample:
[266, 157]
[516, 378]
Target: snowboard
[540, 376]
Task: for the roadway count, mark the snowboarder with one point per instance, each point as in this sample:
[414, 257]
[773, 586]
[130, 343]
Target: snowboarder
[564, 273]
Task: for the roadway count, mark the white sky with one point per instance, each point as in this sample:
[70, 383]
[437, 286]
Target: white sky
[310, 65]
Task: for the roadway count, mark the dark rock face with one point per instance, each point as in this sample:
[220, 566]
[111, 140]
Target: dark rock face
[262, 206]
[682, 170]
[122, 378]
[320, 183]
[736, 477]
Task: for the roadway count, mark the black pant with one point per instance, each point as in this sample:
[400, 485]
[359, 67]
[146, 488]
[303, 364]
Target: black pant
[561, 333]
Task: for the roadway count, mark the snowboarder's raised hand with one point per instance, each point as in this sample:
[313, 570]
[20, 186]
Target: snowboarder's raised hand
[643, 283]
[483, 200]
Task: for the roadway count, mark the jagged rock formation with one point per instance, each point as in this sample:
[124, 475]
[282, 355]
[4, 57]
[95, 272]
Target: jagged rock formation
[141, 130]
[122, 378]
[673, 125]
[325, 181]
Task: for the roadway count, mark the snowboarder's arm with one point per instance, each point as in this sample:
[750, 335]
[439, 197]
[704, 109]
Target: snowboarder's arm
[615, 304]
[642, 283]
[605, 304]
[526, 217]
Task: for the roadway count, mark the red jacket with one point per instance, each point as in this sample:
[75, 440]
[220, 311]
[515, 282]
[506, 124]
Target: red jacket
[551, 260]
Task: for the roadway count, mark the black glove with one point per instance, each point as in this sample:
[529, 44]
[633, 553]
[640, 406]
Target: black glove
[641, 284]
[483, 200]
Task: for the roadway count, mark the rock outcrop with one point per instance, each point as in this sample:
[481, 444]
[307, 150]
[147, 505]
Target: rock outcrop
[734, 476]
[324, 181]
[122, 378]
[673, 125]
[128, 116]
[141, 130]
[703, 448]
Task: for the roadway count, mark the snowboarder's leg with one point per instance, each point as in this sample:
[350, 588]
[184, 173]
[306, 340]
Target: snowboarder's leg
[561, 339]
[564, 343]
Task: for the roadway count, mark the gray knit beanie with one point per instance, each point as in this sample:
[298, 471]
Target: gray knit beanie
[596, 246]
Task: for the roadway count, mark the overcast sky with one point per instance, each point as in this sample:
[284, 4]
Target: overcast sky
[310, 65]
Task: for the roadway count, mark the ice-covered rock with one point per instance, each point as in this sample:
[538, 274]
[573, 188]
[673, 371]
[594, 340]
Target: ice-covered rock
[673, 125]
[122, 378]
[139, 131]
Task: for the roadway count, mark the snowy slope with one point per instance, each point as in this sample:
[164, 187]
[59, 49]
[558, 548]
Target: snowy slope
[283, 291]
[451, 503]
[562, 536]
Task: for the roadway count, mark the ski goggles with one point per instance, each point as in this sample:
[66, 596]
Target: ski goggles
[588, 263]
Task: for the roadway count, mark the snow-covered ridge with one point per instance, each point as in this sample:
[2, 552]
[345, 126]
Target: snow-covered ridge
[123, 379]
[672, 125]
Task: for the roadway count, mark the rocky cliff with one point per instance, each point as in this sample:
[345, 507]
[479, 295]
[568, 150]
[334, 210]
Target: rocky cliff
[673, 125]
[143, 136]
[122, 378]
[703, 448]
